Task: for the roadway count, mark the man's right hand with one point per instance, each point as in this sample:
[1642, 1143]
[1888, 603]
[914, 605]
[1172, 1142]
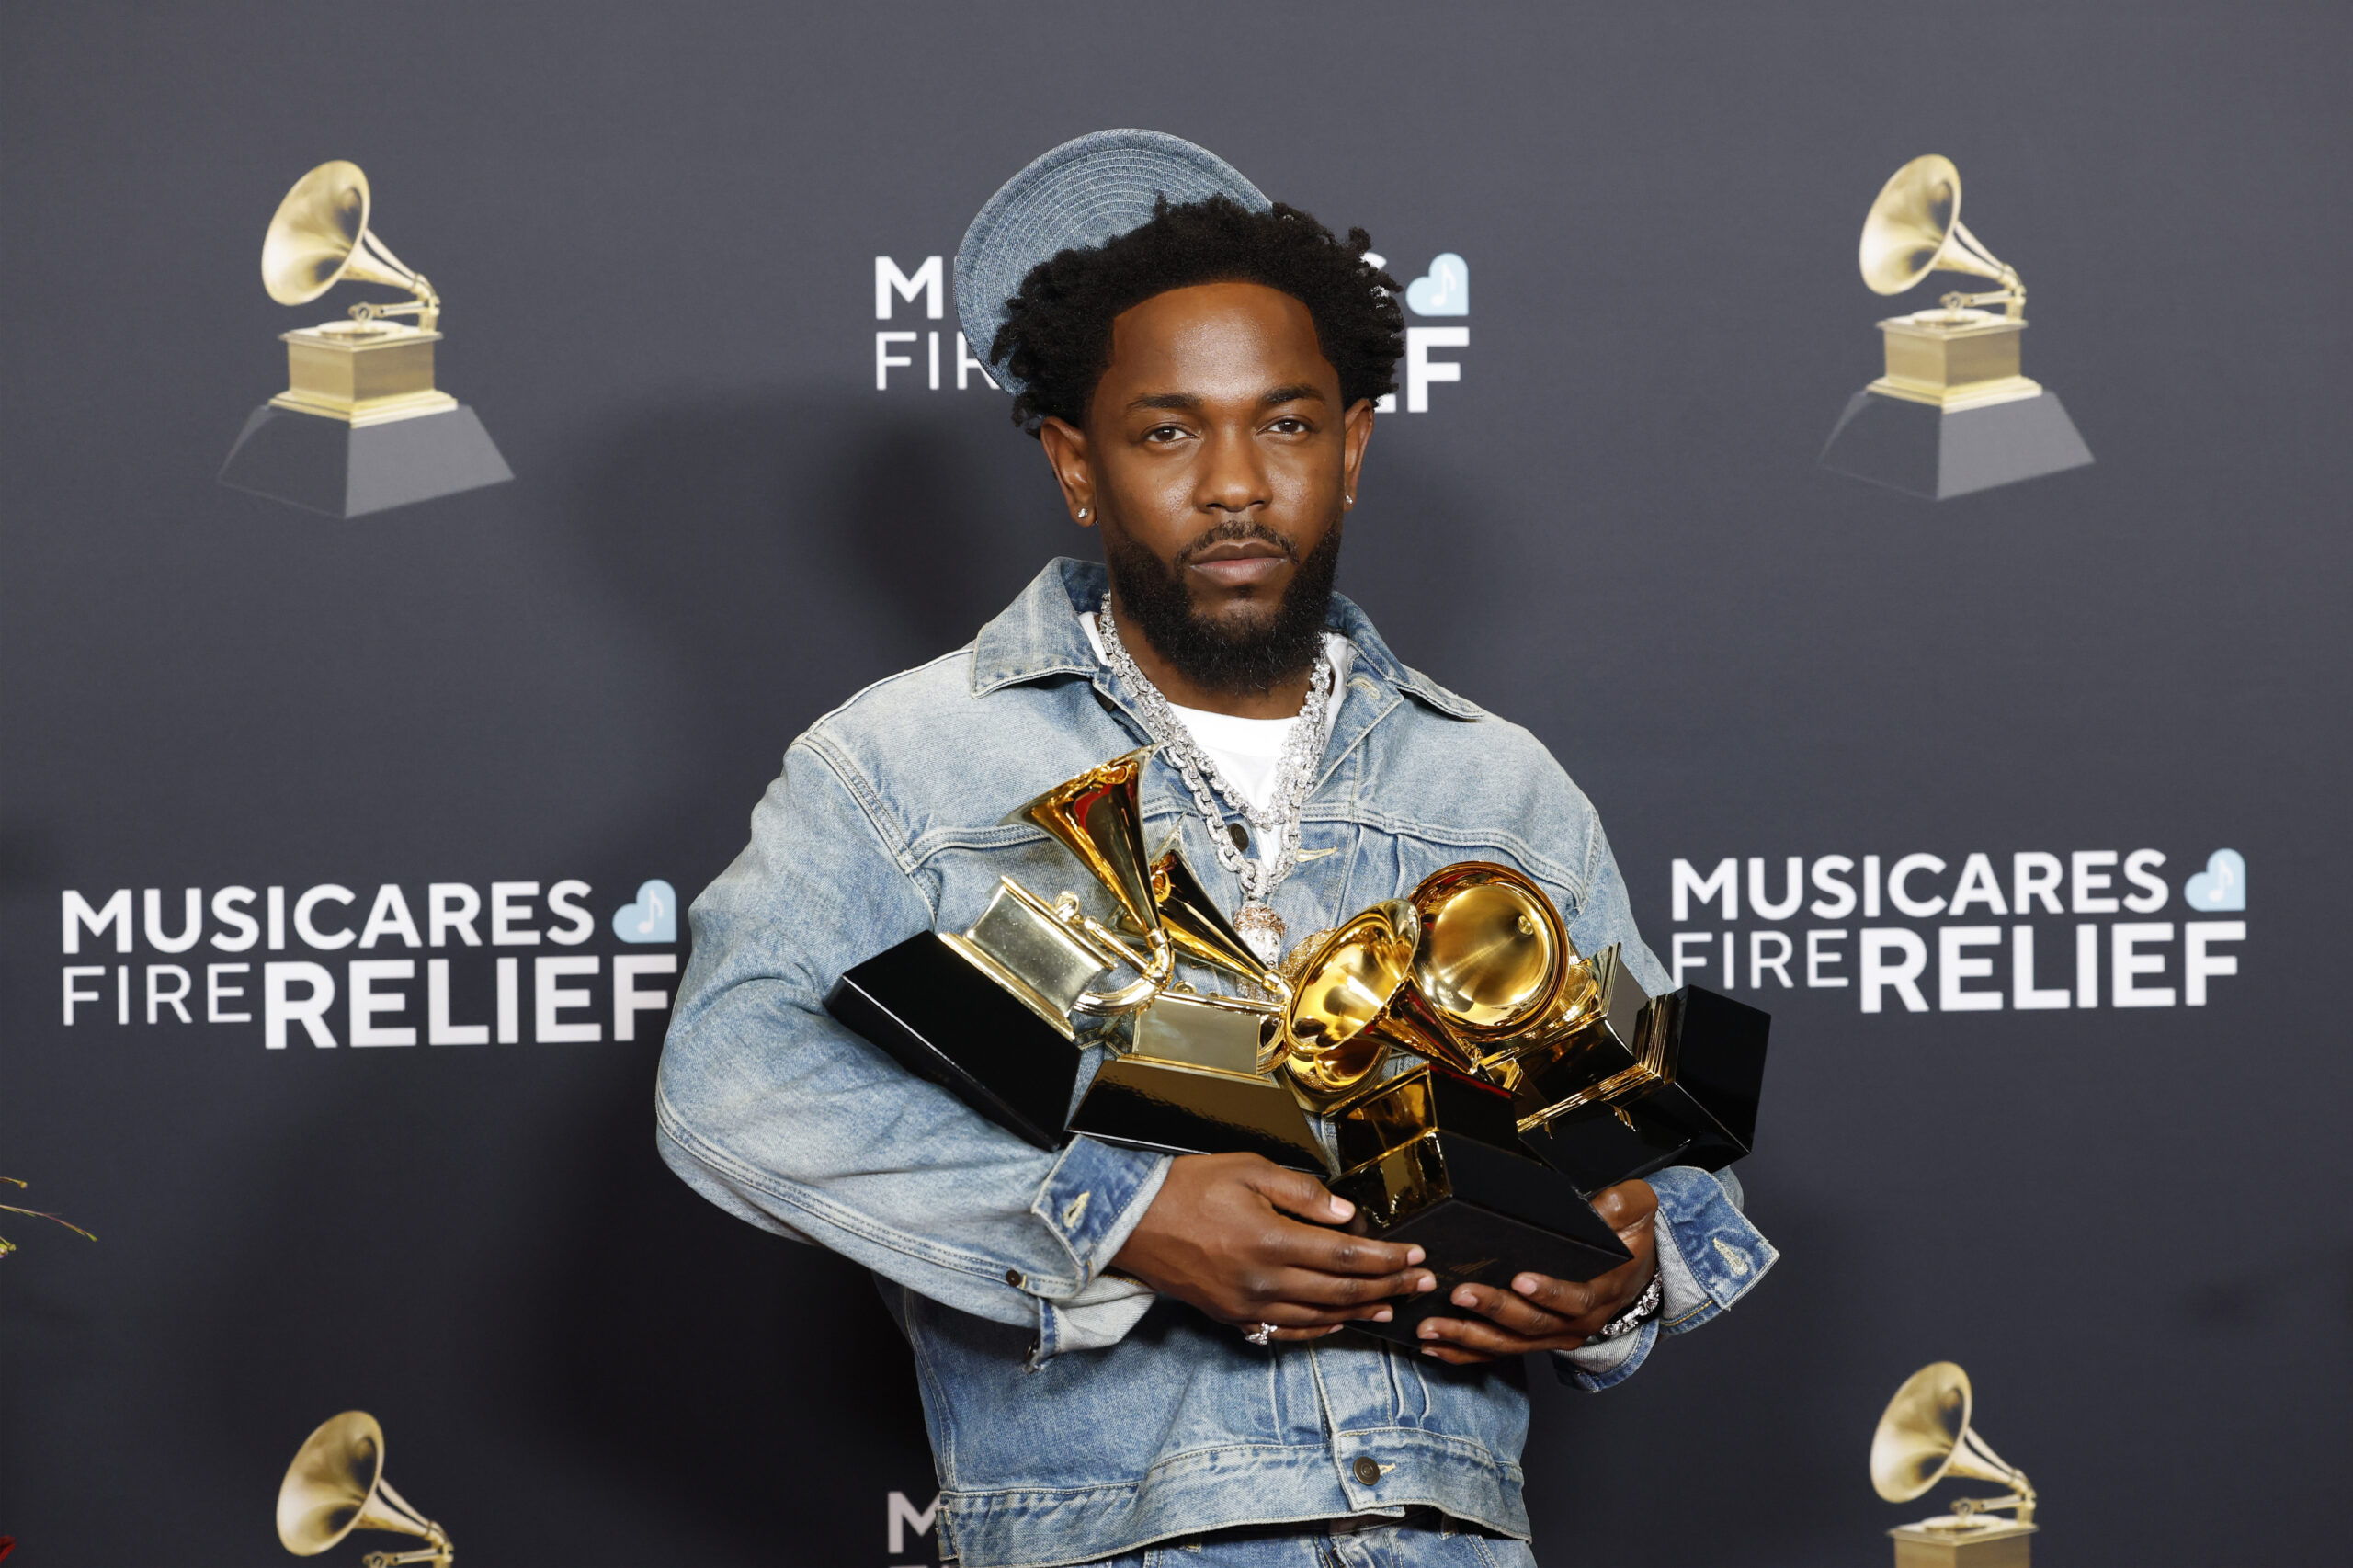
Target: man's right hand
[1216, 1236]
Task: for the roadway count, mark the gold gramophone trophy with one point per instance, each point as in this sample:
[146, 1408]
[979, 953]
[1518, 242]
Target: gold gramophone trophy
[1476, 974]
[1952, 413]
[998, 1013]
[1543, 1078]
[336, 1485]
[1925, 1438]
[360, 426]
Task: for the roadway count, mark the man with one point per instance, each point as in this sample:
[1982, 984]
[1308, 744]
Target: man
[1118, 1349]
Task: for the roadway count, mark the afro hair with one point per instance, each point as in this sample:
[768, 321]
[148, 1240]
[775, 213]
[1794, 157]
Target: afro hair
[1057, 332]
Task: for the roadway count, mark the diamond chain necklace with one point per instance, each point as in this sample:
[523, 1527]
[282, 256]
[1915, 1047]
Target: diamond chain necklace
[1279, 819]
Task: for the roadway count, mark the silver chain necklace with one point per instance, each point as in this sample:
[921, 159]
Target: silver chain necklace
[1279, 820]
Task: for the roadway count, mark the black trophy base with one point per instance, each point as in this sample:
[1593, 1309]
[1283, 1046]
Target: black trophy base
[945, 1021]
[1177, 1110]
[1600, 1145]
[1480, 1215]
[1922, 451]
[348, 470]
[1704, 1116]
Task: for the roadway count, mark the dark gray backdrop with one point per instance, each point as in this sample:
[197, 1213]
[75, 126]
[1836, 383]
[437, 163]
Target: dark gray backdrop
[655, 231]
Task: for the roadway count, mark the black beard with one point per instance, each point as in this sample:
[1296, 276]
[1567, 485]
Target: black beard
[1153, 602]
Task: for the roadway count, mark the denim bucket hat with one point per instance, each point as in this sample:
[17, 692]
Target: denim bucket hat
[1085, 192]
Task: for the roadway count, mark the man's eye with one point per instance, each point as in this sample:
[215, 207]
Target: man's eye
[1289, 425]
[1164, 433]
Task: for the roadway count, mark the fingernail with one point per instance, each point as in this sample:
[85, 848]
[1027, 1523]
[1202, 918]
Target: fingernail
[1427, 1282]
[1427, 1330]
[1525, 1284]
[1383, 1315]
[1414, 1255]
[1342, 1208]
[1465, 1297]
[1325, 1333]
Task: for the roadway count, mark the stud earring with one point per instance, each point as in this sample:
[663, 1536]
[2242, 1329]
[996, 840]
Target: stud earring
[1082, 511]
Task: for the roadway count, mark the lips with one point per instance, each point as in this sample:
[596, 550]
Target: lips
[1239, 562]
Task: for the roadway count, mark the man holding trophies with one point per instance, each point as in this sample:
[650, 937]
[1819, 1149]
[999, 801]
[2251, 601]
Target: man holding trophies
[1121, 1346]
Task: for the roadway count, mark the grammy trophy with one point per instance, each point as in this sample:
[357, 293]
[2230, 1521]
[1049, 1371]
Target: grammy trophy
[1952, 414]
[1925, 1438]
[360, 426]
[999, 1013]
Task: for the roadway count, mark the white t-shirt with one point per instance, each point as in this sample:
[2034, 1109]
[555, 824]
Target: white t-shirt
[1246, 751]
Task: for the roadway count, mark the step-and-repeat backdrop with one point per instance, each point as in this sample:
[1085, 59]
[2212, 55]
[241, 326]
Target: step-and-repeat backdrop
[353, 787]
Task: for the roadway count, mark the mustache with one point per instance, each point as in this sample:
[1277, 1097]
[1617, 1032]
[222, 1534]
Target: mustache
[1232, 531]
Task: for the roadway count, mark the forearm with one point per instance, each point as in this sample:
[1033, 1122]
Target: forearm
[782, 1118]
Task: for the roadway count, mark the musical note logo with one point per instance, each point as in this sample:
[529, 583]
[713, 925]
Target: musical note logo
[1444, 290]
[653, 918]
[2220, 886]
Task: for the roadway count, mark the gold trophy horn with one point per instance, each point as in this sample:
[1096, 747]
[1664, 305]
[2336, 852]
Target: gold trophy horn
[320, 238]
[1925, 1438]
[1471, 972]
[1352, 997]
[1915, 228]
[336, 1485]
[1496, 964]
[1098, 816]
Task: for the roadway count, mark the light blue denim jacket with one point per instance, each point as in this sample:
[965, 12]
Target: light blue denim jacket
[1073, 1414]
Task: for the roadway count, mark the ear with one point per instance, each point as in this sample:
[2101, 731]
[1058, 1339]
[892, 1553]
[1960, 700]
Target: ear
[1356, 432]
[1066, 446]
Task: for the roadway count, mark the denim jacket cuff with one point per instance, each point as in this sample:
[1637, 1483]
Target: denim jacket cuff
[1605, 1365]
[1091, 1203]
[1093, 1198]
[1709, 1255]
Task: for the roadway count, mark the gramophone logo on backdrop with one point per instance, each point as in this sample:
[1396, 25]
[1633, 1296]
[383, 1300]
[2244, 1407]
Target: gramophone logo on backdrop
[1953, 415]
[360, 426]
[944, 356]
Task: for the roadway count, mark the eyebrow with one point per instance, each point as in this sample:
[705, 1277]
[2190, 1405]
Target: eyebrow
[1187, 402]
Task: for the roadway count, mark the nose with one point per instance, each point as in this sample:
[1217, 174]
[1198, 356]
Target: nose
[1233, 477]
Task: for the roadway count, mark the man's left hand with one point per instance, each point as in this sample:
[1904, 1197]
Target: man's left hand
[1541, 1314]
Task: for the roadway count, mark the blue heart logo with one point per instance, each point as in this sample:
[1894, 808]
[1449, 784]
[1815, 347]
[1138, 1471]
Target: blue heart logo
[653, 918]
[2222, 885]
[1444, 290]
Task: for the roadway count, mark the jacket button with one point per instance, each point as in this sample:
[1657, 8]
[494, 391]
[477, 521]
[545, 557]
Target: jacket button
[1013, 1277]
[1368, 1471]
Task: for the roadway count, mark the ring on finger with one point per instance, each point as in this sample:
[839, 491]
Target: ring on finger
[1261, 1335]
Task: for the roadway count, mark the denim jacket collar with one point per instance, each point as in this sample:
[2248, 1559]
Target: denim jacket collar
[1039, 635]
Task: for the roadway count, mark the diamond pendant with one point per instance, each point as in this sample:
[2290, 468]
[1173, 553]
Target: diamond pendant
[1260, 927]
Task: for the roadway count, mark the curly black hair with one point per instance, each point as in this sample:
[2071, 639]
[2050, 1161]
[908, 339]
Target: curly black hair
[1057, 332]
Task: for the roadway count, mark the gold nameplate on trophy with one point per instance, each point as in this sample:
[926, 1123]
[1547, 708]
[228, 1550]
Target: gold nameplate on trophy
[366, 371]
[1925, 1438]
